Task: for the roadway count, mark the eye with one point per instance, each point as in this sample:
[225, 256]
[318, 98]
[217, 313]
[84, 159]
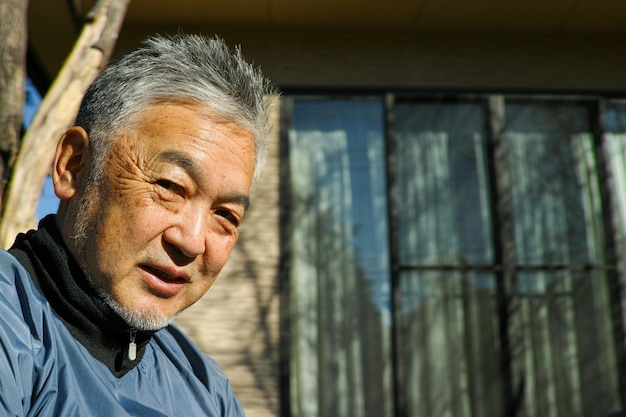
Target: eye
[228, 215]
[171, 187]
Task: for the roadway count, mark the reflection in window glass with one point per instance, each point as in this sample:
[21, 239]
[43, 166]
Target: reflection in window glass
[490, 320]
[554, 184]
[448, 351]
[449, 354]
[569, 357]
[340, 297]
[443, 202]
[565, 317]
[615, 142]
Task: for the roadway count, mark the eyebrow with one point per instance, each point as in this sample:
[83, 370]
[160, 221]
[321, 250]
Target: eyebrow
[240, 199]
[181, 160]
[192, 168]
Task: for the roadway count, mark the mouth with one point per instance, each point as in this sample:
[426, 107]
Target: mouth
[163, 282]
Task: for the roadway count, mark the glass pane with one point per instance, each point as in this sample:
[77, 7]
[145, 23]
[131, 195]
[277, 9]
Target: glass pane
[443, 203]
[569, 359]
[567, 347]
[448, 348]
[557, 217]
[339, 280]
[615, 142]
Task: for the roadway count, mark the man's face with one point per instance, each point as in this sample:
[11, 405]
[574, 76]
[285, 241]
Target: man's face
[167, 213]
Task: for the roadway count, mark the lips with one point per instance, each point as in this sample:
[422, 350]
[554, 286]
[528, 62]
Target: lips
[164, 282]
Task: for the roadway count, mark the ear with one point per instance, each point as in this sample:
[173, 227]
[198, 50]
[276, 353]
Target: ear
[70, 158]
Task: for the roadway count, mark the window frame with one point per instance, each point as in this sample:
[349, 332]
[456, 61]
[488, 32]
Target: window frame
[504, 266]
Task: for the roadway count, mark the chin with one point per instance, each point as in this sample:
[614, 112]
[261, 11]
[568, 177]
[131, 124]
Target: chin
[144, 318]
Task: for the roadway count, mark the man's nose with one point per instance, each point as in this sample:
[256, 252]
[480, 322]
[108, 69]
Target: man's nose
[188, 233]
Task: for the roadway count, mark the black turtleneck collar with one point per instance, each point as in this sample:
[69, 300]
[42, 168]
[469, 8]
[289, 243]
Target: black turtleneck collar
[59, 278]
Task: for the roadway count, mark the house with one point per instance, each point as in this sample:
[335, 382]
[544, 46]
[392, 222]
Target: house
[441, 225]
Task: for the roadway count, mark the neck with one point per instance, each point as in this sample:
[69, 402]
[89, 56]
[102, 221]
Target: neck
[87, 316]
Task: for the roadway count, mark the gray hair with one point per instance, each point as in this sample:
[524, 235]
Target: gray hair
[187, 68]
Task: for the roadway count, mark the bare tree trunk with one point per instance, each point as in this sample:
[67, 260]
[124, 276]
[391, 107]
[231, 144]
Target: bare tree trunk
[12, 61]
[56, 114]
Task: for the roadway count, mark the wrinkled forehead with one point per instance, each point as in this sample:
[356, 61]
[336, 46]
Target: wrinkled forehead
[193, 127]
[133, 123]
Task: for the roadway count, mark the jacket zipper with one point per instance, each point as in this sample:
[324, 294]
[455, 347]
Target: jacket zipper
[132, 346]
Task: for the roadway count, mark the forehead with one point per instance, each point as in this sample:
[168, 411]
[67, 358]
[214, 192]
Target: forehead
[181, 115]
[193, 128]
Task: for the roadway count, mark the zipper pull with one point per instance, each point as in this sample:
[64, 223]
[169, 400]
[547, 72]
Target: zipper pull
[132, 346]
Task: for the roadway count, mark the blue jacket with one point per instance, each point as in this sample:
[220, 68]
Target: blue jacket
[45, 371]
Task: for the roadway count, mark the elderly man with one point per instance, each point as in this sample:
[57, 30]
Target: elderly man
[154, 183]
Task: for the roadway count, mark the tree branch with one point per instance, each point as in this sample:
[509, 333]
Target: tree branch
[56, 114]
[12, 70]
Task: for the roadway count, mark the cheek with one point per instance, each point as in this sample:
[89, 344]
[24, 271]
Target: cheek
[134, 215]
[124, 233]
[222, 247]
[206, 285]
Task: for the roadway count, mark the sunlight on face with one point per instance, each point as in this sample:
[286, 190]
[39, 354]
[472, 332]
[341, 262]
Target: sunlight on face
[154, 234]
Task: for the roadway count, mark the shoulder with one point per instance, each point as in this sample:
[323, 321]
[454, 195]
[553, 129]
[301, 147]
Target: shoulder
[19, 299]
[10, 269]
[173, 341]
[22, 324]
[24, 312]
[185, 355]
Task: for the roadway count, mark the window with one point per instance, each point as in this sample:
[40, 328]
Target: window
[340, 289]
[455, 257]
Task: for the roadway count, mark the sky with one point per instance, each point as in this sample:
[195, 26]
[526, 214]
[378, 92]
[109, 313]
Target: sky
[48, 202]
